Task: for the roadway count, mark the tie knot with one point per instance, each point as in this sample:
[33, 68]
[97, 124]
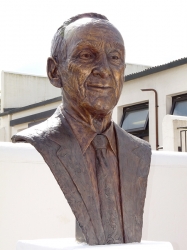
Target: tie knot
[100, 142]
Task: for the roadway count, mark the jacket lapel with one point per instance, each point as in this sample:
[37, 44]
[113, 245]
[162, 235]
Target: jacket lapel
[71, 156]
[128, 165]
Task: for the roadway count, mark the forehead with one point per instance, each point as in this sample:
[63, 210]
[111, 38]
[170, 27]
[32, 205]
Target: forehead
[92, 30]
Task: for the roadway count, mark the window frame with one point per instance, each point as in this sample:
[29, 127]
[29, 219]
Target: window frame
[176, 99]
[139, 132]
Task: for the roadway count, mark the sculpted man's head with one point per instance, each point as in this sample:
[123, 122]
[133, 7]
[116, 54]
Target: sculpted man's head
[88, 64]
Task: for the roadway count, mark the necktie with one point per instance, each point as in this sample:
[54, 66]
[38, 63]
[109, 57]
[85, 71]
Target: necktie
[108, 211]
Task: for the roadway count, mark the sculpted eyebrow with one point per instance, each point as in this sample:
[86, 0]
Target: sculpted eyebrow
[84, 44]
[116, 46]
[93, 45]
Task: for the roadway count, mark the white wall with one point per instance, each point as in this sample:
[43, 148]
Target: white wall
[165, 216]
[19, 90]
[171, 132]
[134, 68]
[2, 134]
[33, 206]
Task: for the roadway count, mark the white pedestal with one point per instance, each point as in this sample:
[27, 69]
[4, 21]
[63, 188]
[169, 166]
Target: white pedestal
[72, 244]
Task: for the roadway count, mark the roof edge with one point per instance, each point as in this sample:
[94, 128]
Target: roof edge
[35, 105]
[156, 69]
[23, 74]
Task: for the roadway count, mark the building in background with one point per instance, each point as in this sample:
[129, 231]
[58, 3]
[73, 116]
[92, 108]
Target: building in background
[27, 100]
[164, 93]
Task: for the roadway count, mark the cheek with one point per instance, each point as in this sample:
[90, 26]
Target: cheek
[78, 72]
[74, 79]
[119, 78]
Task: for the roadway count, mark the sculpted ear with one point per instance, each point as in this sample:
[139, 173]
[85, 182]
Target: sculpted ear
[52, 72]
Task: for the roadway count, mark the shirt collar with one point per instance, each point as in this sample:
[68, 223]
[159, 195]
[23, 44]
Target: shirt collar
[85, 134]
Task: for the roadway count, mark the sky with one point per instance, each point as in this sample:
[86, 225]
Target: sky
[155, 32]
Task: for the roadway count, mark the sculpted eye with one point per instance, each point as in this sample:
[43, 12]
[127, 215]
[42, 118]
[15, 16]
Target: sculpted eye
[86, 55]
[115, 57]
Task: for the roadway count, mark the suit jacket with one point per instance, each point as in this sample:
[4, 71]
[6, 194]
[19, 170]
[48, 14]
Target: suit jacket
[56, 142]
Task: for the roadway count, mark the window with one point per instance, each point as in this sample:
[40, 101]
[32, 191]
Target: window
[179, 105]
[135, 119]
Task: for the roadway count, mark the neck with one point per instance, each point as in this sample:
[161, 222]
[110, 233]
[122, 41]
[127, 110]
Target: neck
[98, 122]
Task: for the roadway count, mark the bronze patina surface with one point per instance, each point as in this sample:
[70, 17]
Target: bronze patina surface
[101, 169]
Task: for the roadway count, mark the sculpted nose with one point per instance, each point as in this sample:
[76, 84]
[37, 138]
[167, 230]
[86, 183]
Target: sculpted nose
[102, 70]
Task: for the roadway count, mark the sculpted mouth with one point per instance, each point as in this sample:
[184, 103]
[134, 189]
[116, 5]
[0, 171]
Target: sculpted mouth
[99, 86]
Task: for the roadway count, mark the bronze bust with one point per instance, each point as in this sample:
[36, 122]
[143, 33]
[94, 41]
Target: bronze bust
[101, 169]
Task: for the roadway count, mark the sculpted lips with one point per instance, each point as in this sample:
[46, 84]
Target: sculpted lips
[99, 85]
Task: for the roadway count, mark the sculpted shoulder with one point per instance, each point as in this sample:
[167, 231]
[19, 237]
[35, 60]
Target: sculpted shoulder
[40, 132]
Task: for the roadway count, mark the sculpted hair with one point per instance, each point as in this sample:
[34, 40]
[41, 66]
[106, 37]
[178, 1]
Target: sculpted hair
[58, 51]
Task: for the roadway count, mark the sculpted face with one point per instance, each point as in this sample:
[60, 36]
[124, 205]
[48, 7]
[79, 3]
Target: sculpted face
[92, 75]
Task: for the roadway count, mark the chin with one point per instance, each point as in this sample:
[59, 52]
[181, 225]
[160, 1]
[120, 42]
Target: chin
[98, 109]
[99, 103]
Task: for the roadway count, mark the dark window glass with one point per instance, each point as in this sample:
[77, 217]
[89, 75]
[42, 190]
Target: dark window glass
[135, 120]
[180, 108]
